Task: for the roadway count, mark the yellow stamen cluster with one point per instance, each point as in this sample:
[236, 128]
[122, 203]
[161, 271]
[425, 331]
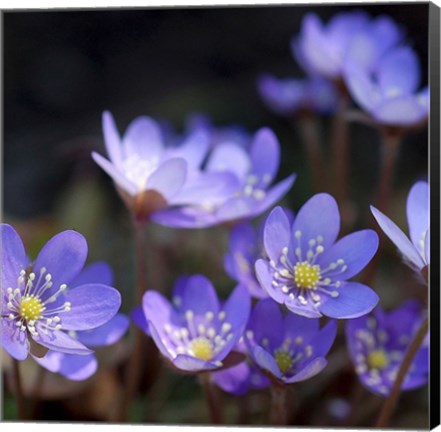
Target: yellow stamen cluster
[377, 359]
[31, 308]
[202, 348]
[284, 360]
[306, 275]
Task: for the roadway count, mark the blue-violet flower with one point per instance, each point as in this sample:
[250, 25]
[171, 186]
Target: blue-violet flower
[38, 306]
[288, 349]
[306, 271]
[195, 333]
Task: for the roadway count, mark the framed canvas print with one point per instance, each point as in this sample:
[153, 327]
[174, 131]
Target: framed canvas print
[221, 215]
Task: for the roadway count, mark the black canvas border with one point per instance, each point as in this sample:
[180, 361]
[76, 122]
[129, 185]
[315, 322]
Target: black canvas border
[434, 163]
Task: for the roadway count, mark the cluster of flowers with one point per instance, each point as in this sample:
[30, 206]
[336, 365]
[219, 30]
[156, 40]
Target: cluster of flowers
[293, 265]
[365, 56]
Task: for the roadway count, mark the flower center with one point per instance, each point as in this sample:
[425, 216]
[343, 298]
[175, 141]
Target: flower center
[377, 359]
[284, 360]
[31, 308]
[201, 348]
[306, 275]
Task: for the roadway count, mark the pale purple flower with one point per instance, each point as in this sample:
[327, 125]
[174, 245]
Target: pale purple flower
[377, 345]
[307, 270]
[390, 93]
[416, 250]
[195, 332]
[289, 96]
[38, 305]
[354, 37]
[81, 367]
[254, 171]
[150, 175]
[288, 348]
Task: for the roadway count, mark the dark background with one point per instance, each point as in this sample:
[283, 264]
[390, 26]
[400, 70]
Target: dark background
[63, 68]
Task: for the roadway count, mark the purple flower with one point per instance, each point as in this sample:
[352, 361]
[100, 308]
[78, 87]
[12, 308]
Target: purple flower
[378, 342]
[288, 96]
[195, 332]
[416, 251]
[307, 270]
[38, 306]
[390, 93]
[241, 378]
[81, 367]
[324, 50]
[254, 172]
[291, 348]
[151, 176]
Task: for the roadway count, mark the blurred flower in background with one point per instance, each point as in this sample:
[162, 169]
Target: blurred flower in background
[353, 36]
[378, 342]
[288, 96]
[390, 92]
[254, 170]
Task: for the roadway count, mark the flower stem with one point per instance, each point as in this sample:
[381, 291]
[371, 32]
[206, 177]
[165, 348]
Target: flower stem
[389, 405]
[308, 127]
[390, 146]
[340, 144]
[36, 393]
[19, 397]
[213, 399]
[279, 412]
[133, 367]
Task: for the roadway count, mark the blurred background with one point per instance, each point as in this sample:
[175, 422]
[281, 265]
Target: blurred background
[63, 68]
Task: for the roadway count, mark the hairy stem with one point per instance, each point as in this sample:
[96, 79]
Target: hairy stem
[19, 397]
[213, 399]
[279, 412]
[391, 401]
[308, 127]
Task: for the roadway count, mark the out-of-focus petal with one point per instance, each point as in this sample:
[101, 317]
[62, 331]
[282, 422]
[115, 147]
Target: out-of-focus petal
[397, 236]
[265, 156]
[169, 178]
[116, 175]
[112, 139]
[417, 209]
[399, 72]
[143, 139]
